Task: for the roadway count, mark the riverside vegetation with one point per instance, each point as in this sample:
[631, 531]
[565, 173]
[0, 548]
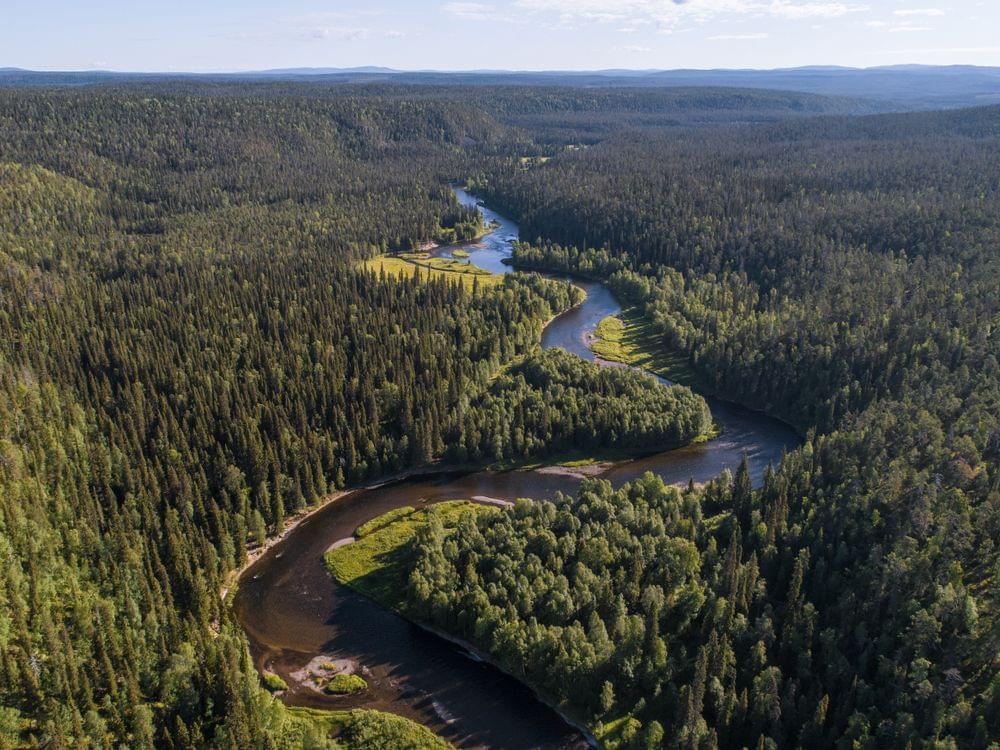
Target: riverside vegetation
[191, 349]
[843, 274]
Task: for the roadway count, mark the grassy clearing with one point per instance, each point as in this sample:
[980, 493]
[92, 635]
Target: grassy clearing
[448, 268]
[374, 730]
[362, 729]
[631, 340]
[533, 161]
[617, 733]
[568, 459]
[375, 565]
[384, 520]
[460, 253]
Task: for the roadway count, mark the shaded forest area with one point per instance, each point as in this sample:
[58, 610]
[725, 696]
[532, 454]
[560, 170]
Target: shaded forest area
[188, 353]
[189, 356]
[842, 274]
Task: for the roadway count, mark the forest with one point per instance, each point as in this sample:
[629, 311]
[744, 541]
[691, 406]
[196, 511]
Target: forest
[553, 402]
[191, 351]
[844, 275]
[189, 356]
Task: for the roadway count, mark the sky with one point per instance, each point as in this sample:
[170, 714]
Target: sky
[232, 35]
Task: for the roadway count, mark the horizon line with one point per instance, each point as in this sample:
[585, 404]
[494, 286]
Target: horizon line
[375, 69]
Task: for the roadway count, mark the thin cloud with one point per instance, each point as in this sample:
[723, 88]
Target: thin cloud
[736, 37]
[472, 11]
[339, 25]
[349, 33]
[909, 29]
[796, 11]
[666, 15]
[942, 51]
[907, 12]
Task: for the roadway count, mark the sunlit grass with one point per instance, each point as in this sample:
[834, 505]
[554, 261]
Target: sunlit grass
[360, 729]
[451, 269]
[374, 564]
[630, 339]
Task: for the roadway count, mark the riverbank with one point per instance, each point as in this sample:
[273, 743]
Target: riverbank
[291, 523]
[435, 268]
[373, 566]
[302, 515]
[293, 609]
[305, 514]
[628, 338]
[484, 657]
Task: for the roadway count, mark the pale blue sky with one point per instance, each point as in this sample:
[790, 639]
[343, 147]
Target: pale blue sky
[225, 35]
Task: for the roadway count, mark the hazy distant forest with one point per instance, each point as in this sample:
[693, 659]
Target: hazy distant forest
[190, 351]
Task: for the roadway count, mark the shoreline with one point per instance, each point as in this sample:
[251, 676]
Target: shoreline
[699, 387]
[471, 650]
[302, 515]
[484, 657]
[545, 465]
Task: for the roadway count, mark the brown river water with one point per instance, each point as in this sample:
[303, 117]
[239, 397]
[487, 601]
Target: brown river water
[293, 611]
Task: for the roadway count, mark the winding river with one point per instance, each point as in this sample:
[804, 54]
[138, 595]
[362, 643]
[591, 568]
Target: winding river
[293, 611]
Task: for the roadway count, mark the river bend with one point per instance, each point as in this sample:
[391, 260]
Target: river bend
[292, 610]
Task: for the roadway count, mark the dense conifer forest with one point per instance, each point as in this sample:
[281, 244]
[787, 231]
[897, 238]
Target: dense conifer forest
[191, 351]
[842, 274]
[554, 402]
[189, 357]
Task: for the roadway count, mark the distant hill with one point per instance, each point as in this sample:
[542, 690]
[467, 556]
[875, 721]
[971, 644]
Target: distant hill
[896, 87]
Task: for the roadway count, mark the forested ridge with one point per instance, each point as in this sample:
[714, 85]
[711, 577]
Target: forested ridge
[189, 356]
[190, 352]
[842, 274]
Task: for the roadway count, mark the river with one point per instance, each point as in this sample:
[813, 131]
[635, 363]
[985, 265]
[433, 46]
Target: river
[292, 610]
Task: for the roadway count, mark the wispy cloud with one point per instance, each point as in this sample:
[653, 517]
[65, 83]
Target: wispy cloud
[341, 25]
[472, 11]
[736, 37]
[666, 15]
[907, 29]
[349, 33]
[905, 12]
[635, 48]
[795, 10]
[942, 51]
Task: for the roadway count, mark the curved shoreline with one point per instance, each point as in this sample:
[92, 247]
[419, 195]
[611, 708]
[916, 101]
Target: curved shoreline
[304, 514]
[702, 390]
[295, 611]
[486, 658]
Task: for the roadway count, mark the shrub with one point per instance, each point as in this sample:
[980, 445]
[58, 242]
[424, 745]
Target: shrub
[346, 684]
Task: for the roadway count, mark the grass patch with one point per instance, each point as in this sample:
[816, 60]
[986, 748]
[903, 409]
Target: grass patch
[451, 269]
[376, 564]
[460, 253]
[568, 459]
[452, 265]
[374, 730]
[327, 722]
[577, 462]
[346, 684]
[533, 161]
[384, 520]
[629, 338]
[361, 729]
[617, 733]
